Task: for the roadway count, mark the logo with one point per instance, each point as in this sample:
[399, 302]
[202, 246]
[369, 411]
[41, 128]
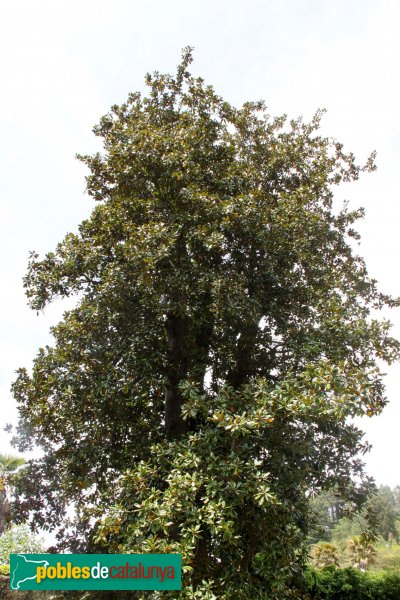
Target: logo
[95, 571]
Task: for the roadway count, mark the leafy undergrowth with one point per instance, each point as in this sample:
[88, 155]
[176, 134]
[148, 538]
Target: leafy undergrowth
[388, 557]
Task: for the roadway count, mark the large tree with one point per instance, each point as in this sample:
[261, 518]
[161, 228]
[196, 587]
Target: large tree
[201, 389]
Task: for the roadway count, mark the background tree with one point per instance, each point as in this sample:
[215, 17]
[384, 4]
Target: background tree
[396, 498]
[383, 504]
[326, 510]
[201, 388]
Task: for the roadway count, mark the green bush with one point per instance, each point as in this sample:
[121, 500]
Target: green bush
[19, 538]
[349, 584]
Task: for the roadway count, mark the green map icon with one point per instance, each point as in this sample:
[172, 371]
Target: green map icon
[95, 571]
[23, 569]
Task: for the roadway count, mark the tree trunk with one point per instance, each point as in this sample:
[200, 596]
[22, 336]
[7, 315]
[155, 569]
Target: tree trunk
[4, 511]
[244, 364]
[175, 426]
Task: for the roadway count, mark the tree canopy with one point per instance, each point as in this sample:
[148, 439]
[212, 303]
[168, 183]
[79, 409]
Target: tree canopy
[200, 391]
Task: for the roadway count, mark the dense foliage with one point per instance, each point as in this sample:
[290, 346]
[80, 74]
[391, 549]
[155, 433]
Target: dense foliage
[350, 584]
[200, 390]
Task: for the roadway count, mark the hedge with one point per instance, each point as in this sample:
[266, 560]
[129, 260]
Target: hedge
[331, 583]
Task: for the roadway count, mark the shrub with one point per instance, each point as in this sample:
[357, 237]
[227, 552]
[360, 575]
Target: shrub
[19, 538]
[362, 552]
[351, 584]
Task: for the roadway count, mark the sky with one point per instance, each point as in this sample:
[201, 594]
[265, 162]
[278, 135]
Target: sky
[63, 64]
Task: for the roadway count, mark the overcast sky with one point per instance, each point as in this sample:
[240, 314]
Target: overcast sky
[63, 64]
